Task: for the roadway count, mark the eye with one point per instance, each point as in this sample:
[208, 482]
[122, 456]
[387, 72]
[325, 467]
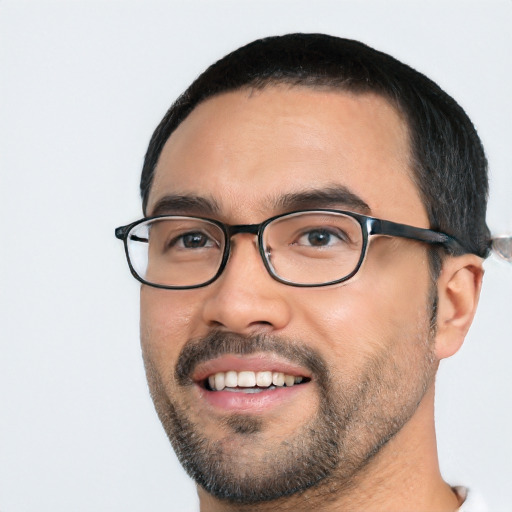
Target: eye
[321, 237]
[192, 240]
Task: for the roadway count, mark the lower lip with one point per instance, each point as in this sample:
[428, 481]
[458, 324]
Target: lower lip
[251, 402]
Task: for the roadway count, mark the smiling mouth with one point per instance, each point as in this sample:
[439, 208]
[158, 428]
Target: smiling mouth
[250, 381]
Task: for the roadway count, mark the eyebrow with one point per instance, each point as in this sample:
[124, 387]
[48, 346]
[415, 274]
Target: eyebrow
[337, 196]
[331, 197]
[186, 204]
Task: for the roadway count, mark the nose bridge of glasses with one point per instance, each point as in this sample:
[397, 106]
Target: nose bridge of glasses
[247, 229]
[252, 229]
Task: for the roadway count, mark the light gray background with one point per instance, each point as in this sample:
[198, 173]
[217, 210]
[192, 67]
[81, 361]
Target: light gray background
[82, 86]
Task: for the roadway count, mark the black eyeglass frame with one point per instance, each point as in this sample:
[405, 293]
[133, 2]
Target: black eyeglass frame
[369, 226]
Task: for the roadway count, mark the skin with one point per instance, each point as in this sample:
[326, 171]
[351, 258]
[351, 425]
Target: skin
[245, 150]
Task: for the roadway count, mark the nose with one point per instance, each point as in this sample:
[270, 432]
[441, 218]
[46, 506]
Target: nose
[245, 299]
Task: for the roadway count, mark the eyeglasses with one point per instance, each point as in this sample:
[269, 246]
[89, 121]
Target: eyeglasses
[304, 248]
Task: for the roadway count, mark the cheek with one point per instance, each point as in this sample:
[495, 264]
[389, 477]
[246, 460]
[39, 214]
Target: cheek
[398, 279]
[381, 306]
[165, 319]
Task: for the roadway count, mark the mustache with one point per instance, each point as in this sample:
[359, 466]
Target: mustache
[218, 343]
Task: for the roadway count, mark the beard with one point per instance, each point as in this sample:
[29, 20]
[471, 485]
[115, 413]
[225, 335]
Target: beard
[295, 464]
[357, 413]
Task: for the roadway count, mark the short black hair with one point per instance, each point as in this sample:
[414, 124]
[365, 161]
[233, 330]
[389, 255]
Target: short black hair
[448, 161]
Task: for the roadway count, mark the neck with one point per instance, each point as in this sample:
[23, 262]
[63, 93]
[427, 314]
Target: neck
[403, 477]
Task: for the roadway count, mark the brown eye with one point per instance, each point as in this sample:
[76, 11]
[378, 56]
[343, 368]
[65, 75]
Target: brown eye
[321, 237]
[195, 240]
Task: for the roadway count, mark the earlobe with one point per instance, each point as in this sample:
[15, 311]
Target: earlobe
[458, 288]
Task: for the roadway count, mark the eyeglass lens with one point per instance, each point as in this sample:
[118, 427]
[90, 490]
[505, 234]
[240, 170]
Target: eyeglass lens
[313, 248]
[301, 248]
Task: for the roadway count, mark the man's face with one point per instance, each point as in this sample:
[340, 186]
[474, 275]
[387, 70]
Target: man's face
[363, 349]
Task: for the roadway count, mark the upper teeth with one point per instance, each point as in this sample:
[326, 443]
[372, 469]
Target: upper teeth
[248, 379]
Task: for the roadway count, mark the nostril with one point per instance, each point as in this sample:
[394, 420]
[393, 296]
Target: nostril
[252, 326]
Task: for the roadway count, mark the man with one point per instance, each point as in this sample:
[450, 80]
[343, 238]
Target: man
[312, 248]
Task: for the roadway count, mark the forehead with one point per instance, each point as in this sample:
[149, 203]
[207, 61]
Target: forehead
[244, 150]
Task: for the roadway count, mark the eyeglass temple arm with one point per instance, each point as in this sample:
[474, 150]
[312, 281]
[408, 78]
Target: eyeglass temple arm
[386, 227]
[122, 232]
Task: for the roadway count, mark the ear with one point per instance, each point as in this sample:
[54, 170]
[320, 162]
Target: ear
[458, 289]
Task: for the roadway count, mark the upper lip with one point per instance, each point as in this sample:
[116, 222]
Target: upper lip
[254, 362]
